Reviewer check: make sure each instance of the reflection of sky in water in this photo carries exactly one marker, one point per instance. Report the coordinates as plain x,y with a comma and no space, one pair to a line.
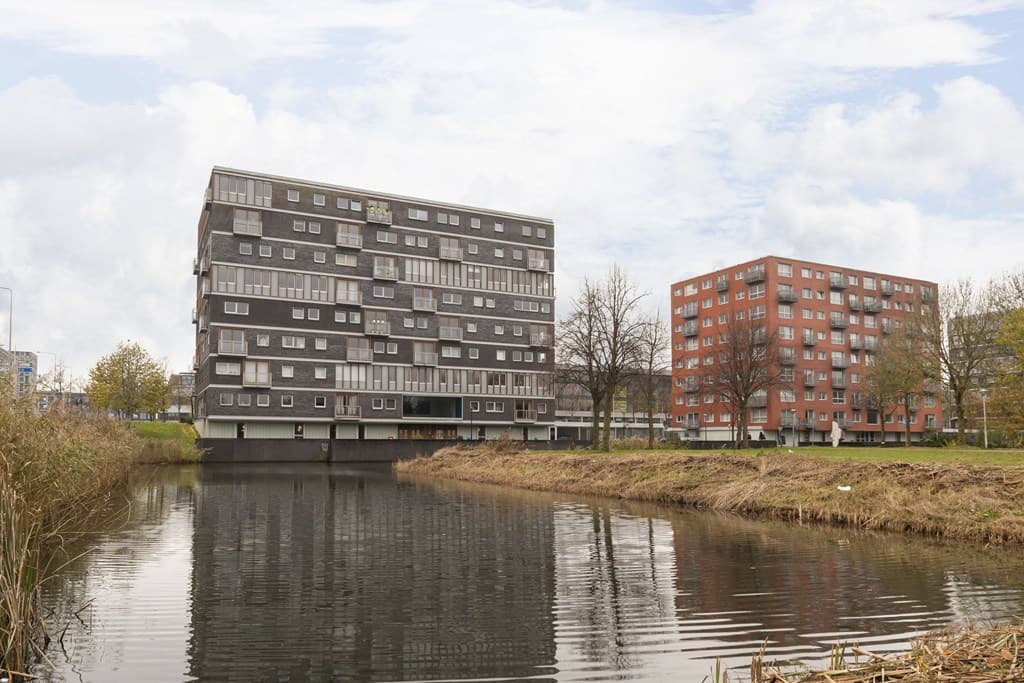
311,573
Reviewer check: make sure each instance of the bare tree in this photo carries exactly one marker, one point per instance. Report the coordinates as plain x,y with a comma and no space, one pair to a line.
896,376
960,334
651,361
620,329
579,351
747,365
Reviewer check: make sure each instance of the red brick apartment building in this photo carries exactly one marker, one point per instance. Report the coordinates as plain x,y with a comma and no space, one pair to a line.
828,319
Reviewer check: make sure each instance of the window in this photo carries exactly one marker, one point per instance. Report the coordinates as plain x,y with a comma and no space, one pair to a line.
342,202
499,354
288,371
499,329
494,406
314,228
266,250
319,257
354,317
348,260
471,248
245,248
355,204
293,195
236,308
451,298
320,373
262,340
451,352
319,401
288,253
474,223
527,231
422,242
417,214
244,400
387,237
542,233
299,226
287,401
517,255
292,342
474,353
499,227
410,240
470,327
227,399
262,400
384,292
229,369
320,343
319,200
298,313
785,270
340,316
474,406
499,252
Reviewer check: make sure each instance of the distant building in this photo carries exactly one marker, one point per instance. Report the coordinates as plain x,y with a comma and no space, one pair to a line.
23,366
182,389
574,409
829,321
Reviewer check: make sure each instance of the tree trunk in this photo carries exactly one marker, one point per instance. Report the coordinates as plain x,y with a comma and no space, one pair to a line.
906,419
595,417
881,428
609,400
741,427
961,422
650,424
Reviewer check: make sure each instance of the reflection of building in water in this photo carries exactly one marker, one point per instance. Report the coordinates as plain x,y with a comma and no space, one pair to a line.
314,574
615,587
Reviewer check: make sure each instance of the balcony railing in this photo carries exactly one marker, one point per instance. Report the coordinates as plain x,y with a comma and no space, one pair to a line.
753,275
347,412
540,339
856,344
204,291
886,290
854,304
351,298
722,284
691,387
787,359
873,307
858,402
358,355
378,214
692,423
840,362
449,333
870,345
841,421
690,330
195,266
886,329
378,328
810,340
451,253
838,383
788,296
244,227
233,348
526,416
424,303
757,402
385,272
256,380
787,420
690,310
932,387
810,381
837,322
538,264
351,240
195,316
424,358
837,282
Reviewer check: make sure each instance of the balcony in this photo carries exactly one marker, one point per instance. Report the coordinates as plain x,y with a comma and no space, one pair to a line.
873,307
690,310
858,403
838,382
722,284
691,387
870,345
204,290
754,276
424,303
886,290
692,423
690,330
540,339
787,295
810,381
378,214
886,328
837,282
526,416
378,328
233,348
195,316
263,382
854,304
350,240
208,195
787,358
385,272
856,344
810,340
450,253
195,266
449,333
757,402
356,354
838,322
787,420
932,387
840,362
347,412
541,264
351,298
424,358
247,227
841,421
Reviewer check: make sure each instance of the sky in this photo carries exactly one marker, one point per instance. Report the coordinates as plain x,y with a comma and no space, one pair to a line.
669,137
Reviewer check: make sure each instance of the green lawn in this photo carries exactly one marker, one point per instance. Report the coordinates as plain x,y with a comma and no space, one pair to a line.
183,433
965,456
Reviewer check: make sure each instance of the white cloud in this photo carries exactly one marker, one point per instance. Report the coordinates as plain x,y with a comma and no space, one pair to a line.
671,143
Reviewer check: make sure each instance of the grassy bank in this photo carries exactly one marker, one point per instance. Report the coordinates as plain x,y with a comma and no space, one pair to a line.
57,473
979,502
166,443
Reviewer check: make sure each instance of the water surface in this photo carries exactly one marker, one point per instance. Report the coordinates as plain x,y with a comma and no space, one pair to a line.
334,573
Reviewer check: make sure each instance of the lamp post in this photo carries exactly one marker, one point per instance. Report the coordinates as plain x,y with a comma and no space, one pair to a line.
10,319
984,413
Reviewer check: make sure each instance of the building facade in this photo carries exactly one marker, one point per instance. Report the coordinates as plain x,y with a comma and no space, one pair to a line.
327,312
182,387
23,369
828,320
574,409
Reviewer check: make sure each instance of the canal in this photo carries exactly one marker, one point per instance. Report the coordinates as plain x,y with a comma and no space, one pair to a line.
332,573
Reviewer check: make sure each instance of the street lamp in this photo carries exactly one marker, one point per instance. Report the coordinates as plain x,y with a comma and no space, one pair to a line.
984,413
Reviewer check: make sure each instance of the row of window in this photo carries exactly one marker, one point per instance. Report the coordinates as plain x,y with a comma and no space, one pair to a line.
760,416
786,270
787,395
689,309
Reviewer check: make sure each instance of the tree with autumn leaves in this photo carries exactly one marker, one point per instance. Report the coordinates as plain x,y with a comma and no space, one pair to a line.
128,381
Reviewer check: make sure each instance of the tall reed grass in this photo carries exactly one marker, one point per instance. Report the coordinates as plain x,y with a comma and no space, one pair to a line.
58,471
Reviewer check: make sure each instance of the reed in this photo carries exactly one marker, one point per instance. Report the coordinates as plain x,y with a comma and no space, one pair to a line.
58,472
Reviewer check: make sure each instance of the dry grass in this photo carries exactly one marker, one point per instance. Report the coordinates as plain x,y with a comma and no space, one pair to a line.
166,443
966,656
57,472
982,503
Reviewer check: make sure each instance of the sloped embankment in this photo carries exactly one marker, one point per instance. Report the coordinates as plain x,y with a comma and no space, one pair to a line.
971,502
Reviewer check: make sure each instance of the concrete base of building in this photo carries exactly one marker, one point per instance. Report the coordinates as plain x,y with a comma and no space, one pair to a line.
339,450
